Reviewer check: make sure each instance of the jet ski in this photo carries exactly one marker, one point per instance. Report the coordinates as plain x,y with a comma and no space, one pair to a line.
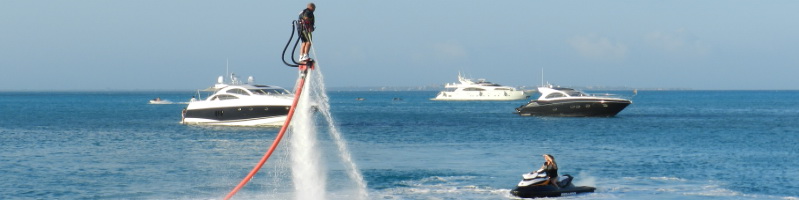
534,184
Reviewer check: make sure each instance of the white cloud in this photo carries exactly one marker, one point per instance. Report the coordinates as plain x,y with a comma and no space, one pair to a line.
598,47
677,42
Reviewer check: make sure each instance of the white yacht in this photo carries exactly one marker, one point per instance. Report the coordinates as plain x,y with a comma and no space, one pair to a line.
482,90
240,104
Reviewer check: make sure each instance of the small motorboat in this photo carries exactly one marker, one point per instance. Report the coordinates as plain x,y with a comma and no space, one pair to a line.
534,185
158,100
568,102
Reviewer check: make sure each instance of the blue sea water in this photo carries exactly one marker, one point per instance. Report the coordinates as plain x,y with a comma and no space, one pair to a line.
666,145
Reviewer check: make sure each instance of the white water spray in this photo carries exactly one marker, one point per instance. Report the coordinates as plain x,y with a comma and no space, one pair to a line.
308,172
306,168
344,153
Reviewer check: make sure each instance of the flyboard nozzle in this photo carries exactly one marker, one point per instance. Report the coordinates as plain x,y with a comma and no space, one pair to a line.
307,65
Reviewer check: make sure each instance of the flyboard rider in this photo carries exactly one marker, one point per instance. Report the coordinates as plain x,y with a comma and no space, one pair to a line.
305,28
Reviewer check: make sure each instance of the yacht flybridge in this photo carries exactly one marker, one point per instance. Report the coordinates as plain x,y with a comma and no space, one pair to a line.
240,104
568,102
468,90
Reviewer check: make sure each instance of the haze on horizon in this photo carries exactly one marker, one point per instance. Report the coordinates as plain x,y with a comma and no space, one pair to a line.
184,44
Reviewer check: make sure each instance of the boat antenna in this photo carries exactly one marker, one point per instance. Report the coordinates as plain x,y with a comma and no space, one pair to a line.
542,76
227,67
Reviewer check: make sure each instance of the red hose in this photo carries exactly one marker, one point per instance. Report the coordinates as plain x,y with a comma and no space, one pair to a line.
277,138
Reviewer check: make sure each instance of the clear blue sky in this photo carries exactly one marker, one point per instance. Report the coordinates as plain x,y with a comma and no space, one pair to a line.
183,45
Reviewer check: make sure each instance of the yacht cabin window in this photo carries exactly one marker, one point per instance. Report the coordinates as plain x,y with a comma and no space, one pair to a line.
279,91
238,91
223,97
269,91
258,92
473,89
555,95
573,93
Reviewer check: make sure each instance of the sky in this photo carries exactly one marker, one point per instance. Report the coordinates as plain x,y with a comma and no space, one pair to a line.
186,44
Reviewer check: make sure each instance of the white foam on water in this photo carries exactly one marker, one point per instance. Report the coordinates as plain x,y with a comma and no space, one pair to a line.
444,187
584,179
463,187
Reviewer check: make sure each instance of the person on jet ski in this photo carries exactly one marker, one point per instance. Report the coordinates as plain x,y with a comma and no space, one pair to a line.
551,168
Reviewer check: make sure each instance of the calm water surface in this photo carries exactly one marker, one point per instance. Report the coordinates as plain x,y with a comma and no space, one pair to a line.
666,145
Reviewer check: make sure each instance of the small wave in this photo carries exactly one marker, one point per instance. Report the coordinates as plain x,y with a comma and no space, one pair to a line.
663,178
714,191
443,187
669,188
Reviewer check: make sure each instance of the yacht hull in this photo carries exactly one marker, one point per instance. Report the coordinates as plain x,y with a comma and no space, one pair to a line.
238,116
572,108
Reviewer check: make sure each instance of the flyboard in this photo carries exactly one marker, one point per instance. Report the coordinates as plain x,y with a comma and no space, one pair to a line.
304,67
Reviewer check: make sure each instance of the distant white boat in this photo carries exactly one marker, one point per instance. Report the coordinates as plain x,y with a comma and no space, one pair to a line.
160,101
482,90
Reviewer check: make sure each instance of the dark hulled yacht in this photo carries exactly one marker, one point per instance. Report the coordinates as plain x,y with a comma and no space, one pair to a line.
240,104
567,102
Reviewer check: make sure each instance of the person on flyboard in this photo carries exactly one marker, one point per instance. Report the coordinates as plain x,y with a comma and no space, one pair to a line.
306,26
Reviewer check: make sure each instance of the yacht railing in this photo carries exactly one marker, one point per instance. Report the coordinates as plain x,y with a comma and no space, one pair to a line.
610,95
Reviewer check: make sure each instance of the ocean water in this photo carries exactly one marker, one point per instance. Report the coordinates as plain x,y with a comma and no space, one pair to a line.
666,145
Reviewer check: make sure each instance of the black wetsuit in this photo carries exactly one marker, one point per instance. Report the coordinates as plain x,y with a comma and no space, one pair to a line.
552,173
306,24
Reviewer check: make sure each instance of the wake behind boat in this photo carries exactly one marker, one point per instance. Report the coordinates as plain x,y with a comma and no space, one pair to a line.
482,90
567,102
240,104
